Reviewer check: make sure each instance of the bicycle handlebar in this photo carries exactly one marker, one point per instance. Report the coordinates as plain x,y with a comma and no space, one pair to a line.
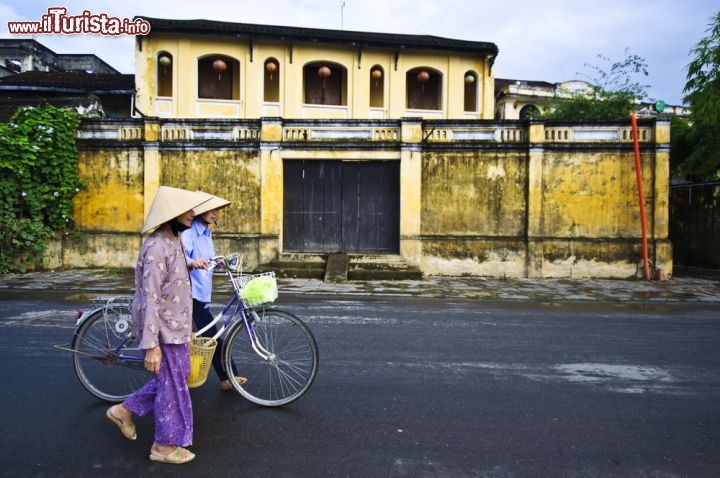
231,262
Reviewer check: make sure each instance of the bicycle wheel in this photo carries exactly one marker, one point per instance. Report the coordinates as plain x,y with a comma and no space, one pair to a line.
107,359
290,363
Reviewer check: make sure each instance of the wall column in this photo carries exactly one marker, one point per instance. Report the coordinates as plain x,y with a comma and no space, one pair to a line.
151,164
271,190
661,198
534,259
410,190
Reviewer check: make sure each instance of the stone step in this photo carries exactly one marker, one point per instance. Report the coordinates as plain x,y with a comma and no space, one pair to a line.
342,267
336,268
382,270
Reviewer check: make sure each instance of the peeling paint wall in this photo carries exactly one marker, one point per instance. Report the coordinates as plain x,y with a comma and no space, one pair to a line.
231,174
481,198
113,191
477,193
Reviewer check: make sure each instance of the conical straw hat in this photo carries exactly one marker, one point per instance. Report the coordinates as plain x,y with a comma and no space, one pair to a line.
215,202
170,203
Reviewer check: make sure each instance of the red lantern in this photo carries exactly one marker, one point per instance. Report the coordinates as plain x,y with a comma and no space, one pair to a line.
219,66
422,77
324,72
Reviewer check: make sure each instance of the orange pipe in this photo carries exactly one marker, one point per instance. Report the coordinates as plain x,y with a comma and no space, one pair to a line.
641,196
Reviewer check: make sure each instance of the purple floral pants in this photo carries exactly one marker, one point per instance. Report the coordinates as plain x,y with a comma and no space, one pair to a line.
168,397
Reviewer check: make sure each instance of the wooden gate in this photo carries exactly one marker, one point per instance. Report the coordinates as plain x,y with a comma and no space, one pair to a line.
341,206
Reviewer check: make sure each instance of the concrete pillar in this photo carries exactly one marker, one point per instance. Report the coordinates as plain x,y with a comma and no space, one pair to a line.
151,163
661,198
271,189
534,260
410,190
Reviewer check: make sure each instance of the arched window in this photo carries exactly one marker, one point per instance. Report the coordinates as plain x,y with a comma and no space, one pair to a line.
424,88
325,84
471,88
271,83
218,78
377,87
529,111
164,74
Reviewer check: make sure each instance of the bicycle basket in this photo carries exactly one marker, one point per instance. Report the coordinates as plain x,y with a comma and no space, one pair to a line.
257,289
202,350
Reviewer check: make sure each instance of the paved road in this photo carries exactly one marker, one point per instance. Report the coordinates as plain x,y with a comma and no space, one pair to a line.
408,387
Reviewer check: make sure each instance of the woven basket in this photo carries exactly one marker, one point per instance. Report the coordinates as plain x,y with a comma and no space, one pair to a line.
202,350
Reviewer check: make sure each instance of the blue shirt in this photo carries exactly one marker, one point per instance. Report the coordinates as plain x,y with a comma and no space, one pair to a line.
198,244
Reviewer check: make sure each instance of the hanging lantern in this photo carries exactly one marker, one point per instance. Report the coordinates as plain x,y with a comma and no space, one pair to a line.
376,74
271,68
324,72
422,77
219,66
469,79
165,61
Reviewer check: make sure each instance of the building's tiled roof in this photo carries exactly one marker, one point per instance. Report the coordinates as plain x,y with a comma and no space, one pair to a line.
353,38
70,82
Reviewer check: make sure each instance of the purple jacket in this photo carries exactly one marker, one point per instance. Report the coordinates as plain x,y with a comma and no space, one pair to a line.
162,307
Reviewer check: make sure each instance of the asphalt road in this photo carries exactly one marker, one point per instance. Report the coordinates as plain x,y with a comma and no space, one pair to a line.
407,387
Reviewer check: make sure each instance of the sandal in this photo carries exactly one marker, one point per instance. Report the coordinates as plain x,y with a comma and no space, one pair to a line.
127,429
225,385
177,456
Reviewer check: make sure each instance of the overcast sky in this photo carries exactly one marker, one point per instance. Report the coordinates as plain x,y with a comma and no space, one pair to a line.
540,40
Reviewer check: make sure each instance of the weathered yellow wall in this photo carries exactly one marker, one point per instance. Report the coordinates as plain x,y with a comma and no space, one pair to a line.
113,192
479,193
582,192
479,198
231,174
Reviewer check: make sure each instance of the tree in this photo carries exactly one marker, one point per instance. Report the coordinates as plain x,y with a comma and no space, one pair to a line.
613,94
702,94
681,144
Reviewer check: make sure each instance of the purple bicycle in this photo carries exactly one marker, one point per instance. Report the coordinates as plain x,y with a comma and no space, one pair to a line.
272,348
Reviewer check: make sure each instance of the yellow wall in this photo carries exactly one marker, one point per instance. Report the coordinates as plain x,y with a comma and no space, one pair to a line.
113,192
481,198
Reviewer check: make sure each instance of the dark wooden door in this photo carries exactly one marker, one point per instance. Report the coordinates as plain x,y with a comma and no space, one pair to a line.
335,206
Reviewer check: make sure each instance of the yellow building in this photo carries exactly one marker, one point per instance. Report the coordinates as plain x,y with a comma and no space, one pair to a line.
380,146
208,69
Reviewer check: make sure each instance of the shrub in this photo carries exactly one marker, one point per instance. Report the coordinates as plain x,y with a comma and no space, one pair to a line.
38,181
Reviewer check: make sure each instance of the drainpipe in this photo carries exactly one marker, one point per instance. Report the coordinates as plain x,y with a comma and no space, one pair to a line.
641,197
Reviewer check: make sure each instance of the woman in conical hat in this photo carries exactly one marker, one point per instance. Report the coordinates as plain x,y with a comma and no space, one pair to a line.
199,248
162,324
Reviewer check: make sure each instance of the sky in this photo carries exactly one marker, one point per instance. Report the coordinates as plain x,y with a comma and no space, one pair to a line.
547,40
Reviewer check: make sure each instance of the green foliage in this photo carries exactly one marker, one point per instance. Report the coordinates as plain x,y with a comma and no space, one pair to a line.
612,96
38,180
702,91
604,106
682,142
